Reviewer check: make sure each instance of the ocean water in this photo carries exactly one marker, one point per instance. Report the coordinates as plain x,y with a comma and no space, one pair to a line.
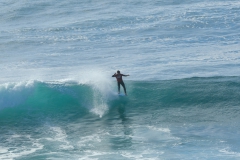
59,101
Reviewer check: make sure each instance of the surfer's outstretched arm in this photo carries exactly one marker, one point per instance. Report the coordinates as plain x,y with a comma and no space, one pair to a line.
125,75
114,75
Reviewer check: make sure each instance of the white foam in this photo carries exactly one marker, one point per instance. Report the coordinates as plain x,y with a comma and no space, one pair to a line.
3,150
228,152
59,135
22,150
16,85
167,130
89,140
153,134
102,86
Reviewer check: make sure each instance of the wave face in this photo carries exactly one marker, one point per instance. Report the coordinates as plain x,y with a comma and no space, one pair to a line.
41,120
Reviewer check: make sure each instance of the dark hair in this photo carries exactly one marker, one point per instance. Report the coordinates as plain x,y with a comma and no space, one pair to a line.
118,71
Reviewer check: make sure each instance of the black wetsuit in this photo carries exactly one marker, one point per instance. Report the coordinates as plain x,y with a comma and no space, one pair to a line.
120,82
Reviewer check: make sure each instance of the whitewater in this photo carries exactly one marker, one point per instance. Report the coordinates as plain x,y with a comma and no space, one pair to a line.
58,99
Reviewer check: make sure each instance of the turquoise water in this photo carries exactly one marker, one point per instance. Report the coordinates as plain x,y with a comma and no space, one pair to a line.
59,101
171,119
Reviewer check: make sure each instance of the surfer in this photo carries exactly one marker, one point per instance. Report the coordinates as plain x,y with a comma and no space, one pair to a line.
118,76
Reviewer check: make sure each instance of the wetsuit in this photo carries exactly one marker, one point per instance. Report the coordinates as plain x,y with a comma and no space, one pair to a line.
120,81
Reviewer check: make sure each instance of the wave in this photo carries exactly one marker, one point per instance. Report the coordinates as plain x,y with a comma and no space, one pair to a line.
55,96
69,98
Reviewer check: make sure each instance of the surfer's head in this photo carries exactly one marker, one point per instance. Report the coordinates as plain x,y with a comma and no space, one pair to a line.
118,71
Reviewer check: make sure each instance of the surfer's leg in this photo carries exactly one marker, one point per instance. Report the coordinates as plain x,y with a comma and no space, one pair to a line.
118,87
122,83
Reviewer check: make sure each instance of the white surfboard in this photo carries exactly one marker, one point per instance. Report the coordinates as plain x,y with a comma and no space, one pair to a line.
122,94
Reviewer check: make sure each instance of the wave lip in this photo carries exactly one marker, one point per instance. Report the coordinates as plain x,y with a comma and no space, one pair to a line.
14,94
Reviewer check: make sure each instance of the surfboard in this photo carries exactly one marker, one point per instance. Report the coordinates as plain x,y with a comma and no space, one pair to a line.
121,94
